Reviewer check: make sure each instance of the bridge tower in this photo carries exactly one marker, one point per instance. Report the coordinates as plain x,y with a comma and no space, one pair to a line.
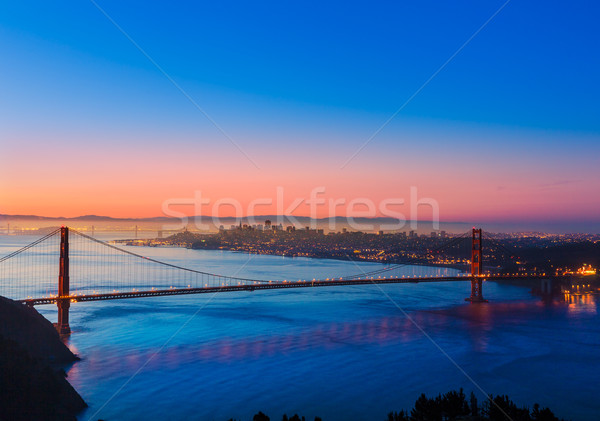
476,268
63,284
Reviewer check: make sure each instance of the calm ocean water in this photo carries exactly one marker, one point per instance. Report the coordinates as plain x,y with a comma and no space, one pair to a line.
339,353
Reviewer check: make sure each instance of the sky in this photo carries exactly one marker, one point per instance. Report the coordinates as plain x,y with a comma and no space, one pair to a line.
488,108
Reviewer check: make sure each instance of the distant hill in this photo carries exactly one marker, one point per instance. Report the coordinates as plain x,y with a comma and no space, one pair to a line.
61,218
285,219
339,222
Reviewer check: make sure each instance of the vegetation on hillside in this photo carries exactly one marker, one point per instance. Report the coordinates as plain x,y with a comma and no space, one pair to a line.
454,406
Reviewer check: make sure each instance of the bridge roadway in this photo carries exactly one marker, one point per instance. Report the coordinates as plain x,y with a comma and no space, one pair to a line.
275,285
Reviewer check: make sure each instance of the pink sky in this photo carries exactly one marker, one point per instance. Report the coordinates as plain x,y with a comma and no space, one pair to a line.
67,178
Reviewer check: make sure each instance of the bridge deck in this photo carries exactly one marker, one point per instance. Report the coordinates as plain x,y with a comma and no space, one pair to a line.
272,285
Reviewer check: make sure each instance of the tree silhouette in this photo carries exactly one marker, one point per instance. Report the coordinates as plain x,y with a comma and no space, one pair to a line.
398,416
500,406
260,417
544,414
426,409
454,404
474,407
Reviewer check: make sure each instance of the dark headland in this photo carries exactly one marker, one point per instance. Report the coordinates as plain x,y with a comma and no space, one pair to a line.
33,385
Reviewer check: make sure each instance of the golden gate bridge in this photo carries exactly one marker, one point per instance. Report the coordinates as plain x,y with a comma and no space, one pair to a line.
93,270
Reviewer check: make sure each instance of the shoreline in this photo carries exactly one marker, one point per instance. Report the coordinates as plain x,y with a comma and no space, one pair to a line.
130,242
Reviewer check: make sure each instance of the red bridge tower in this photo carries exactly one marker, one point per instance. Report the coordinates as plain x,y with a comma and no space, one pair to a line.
63,284
476,268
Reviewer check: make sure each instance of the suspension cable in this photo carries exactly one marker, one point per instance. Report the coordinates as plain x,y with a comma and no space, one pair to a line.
35,243
450,243
162,263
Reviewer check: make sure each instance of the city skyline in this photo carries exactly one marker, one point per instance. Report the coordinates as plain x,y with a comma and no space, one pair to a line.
506,131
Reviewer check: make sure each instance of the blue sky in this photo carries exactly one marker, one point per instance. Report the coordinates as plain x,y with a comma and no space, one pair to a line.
535,65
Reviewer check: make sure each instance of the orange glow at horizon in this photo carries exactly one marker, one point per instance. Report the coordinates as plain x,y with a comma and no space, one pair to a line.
72,180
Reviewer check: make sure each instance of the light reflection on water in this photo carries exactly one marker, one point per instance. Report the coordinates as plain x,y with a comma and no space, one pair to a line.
340,353
582,303
283,352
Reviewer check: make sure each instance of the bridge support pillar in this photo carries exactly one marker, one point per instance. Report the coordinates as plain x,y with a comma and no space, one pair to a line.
63,302
476,291
476,268
63,317
546,286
